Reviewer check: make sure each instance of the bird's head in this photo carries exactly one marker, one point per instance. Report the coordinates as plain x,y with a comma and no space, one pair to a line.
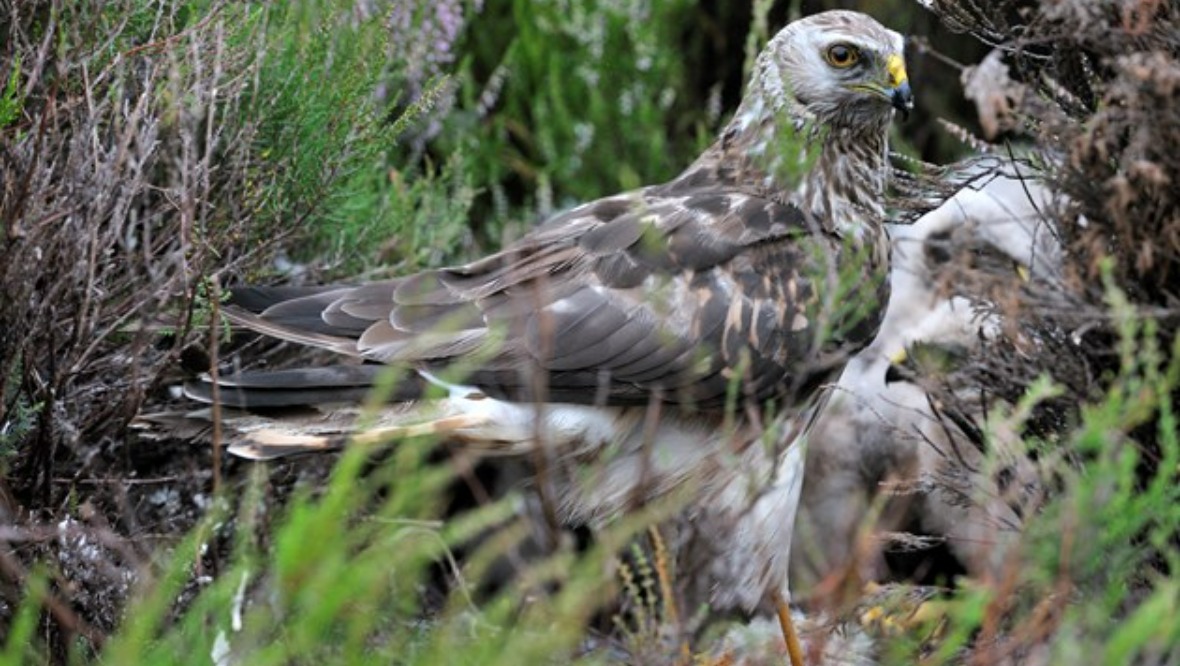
840,68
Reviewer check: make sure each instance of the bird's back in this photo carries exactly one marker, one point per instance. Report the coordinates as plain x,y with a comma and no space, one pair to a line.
682,293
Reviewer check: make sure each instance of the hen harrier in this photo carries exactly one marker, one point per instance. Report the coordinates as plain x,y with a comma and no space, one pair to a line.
681,326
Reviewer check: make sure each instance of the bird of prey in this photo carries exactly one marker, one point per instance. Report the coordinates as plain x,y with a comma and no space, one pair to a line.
949,270
663,339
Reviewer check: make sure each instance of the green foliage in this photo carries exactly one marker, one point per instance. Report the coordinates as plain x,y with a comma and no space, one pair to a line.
21,646
793,151
1094,571
341,581
10,96
428,214
580,101
327,144
758,35
19,422
652,615
20,417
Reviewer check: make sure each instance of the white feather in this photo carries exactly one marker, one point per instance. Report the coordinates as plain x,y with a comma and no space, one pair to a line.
871,432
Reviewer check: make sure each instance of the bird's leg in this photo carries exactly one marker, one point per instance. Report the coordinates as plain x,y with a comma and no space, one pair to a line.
794,649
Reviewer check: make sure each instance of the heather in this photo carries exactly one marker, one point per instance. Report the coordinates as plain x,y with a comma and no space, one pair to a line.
153,153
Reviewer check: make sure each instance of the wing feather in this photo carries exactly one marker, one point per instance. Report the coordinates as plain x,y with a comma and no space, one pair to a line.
670,292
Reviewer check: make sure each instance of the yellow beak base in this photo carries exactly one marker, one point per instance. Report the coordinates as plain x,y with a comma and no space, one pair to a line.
895,65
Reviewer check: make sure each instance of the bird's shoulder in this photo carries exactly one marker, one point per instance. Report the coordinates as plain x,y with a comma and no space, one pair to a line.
669,287
621,240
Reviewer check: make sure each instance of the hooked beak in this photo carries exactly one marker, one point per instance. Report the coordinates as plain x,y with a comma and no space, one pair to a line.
902,99
900,95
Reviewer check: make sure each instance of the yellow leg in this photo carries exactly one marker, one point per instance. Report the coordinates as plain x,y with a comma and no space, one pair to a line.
794,649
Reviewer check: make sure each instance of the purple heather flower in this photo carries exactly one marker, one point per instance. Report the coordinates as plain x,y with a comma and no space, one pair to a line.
423,35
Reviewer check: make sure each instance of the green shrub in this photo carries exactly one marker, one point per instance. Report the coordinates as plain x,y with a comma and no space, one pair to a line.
563,102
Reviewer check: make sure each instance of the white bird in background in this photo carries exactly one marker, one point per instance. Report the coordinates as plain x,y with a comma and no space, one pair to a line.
875,434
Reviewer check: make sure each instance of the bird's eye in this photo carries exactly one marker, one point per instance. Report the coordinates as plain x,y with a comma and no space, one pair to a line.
842,55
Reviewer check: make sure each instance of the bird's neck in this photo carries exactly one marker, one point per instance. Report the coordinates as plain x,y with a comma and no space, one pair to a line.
846,183
837,175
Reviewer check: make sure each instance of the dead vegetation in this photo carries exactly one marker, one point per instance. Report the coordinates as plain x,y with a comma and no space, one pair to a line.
121,186
1087,373
1093,85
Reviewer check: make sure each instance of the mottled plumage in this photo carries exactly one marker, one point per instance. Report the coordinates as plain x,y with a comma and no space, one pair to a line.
733,278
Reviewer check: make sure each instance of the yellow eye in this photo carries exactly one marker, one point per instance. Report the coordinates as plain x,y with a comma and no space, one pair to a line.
842,55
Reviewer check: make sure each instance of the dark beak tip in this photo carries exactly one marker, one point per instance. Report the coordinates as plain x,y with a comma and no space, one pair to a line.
903,100
895,374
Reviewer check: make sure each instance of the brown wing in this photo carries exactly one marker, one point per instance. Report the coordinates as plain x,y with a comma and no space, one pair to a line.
679,295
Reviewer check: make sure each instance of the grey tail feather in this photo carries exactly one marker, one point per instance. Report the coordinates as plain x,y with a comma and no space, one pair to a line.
246,319
257,299
299,387
171,424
